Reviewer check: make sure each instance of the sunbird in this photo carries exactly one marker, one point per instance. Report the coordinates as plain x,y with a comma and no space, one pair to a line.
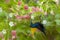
35,26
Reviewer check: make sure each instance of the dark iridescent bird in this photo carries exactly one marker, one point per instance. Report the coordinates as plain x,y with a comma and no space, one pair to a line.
37,25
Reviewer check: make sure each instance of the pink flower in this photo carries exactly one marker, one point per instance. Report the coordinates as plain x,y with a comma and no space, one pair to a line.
26,17
1,35
31,13
26,7
18,17
7,1
35,9
19,3
13,34
22,17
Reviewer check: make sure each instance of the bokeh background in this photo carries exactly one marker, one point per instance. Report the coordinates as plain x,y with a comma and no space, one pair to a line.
15,16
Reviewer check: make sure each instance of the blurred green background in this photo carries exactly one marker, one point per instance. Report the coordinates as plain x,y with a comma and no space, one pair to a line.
22,28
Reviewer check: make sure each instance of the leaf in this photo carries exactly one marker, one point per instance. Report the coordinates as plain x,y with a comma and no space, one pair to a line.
57,16
57,21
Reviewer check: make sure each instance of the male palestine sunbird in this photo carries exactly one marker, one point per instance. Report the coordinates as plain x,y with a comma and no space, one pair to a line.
35,26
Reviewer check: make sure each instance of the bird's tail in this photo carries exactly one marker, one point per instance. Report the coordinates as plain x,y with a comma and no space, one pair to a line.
44,33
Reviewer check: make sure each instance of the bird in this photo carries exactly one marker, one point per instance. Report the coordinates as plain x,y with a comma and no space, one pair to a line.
35,26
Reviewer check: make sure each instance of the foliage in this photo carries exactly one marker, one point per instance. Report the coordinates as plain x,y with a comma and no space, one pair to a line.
22,26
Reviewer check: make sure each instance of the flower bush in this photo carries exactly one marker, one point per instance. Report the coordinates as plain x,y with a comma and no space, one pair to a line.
15,16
